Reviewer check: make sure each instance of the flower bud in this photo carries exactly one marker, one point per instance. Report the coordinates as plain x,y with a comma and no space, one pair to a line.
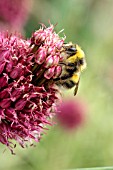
3,80
49,73
20,104
49,61
5,103
40,56
57,71
2,67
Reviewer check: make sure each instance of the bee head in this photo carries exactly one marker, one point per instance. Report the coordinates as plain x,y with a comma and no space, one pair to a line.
70,49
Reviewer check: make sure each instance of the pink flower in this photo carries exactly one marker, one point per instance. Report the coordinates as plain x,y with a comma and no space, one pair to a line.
28,96
71,114
14,13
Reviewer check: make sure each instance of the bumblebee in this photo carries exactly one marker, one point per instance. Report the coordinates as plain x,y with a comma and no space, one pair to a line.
72,65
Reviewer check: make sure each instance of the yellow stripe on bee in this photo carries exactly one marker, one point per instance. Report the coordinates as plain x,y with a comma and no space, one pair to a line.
72,59
75,78
80,52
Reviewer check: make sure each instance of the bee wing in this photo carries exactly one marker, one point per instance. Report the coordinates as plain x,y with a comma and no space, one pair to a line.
76,88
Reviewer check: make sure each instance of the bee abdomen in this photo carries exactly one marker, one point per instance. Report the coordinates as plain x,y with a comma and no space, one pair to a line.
71,70
64,77
69,84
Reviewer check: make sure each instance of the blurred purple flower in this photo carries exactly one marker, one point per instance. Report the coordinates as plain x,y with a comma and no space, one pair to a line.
71,114
28,96
14,13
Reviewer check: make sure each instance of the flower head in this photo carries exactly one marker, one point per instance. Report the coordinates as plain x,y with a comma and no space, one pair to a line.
14,13
28,96
71,114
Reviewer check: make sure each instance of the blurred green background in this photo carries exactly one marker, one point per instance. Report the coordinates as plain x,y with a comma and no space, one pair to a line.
90,24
